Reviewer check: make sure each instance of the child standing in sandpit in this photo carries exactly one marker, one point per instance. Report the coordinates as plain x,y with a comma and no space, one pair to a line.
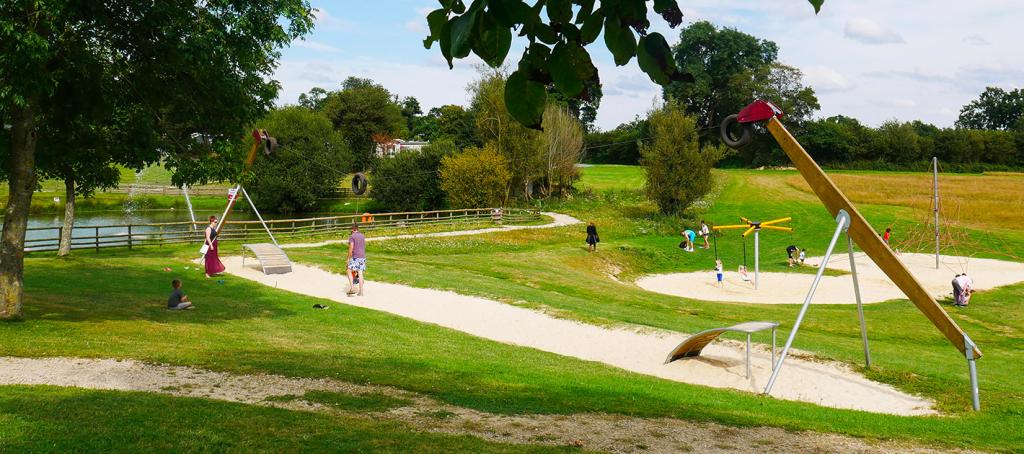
356,260
719,272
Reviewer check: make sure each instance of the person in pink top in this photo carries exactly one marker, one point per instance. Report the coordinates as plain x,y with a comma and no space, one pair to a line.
356,261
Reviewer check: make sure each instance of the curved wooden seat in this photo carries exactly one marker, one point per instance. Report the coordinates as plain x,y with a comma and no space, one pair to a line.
694,344
272,259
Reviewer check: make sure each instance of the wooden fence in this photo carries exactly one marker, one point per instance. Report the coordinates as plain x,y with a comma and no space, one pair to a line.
201,191
41,239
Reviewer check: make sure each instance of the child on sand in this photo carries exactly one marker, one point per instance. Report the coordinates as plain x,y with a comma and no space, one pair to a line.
178,299
719,272
803,256
742,270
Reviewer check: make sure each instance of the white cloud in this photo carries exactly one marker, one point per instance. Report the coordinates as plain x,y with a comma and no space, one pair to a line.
899,103
870,32
826,80
315,45
325,21
976,39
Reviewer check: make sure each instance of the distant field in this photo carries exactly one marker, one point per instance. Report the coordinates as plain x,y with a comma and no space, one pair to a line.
993,201
604,177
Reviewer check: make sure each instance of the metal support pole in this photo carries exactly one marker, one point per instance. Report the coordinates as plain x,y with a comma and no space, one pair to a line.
860,306
972,368
773,348
935,205
188,201
748,355
757,258
254,210
842,221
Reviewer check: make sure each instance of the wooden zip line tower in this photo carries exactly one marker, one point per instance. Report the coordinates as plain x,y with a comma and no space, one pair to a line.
756,227
857,229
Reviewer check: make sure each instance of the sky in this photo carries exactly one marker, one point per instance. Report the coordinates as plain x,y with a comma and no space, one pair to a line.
874,60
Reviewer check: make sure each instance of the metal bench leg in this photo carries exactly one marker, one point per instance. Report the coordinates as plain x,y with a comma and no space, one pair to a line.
748,355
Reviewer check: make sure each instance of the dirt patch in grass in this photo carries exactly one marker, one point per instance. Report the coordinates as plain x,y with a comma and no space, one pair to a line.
592,431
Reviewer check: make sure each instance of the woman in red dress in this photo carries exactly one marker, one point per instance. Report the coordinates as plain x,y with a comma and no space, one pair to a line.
213,264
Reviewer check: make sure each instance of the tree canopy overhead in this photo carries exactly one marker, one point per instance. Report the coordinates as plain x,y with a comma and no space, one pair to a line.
168,72
557,34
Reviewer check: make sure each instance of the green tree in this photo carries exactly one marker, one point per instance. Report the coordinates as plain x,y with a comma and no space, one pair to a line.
494,125
561,145
309,163
314,99
409,180
833,139
475,178
361,109
895,142
678,171
718,59
448,122
994,109
556,52
412,111
180,69
617,146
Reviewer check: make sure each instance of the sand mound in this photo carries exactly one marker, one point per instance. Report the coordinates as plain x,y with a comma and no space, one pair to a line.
875,286
722,364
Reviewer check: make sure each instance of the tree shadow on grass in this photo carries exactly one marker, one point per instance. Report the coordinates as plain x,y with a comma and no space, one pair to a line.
94,290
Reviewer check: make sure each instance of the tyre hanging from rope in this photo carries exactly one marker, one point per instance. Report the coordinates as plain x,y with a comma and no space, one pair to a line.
731,123
359,184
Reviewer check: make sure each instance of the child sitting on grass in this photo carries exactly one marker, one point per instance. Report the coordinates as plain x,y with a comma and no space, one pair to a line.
178,300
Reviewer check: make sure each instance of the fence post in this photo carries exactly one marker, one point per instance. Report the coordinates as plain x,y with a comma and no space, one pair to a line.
129,237
97,238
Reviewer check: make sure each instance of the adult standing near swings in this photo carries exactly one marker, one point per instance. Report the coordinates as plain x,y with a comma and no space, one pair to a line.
213,264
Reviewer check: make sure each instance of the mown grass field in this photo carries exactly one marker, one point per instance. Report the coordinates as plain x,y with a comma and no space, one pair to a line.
109,305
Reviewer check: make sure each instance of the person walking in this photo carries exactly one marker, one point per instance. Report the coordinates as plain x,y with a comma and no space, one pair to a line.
705,232
213,264
887,235
356,260
592,238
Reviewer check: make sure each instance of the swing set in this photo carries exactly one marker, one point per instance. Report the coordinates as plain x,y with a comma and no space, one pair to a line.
755,228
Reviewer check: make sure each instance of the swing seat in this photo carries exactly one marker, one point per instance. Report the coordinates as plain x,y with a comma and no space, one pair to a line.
272,259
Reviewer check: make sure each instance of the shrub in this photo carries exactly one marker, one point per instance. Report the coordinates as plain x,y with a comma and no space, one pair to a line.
475,178
409,180
678,171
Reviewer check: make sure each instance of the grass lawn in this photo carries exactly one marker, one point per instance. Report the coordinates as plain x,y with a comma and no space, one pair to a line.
109,305
106,421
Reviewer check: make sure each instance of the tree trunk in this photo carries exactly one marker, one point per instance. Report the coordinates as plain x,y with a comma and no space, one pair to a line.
21,182
69,218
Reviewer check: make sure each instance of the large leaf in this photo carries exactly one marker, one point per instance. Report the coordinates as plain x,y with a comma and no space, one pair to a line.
620,41
436,20
462,32
586,9
817,5
509,12
592,27
493,41
655,58
669,10
525,99
563,73
559,11
445,43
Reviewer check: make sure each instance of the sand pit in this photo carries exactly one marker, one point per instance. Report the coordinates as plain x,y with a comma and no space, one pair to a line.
722,365
875,286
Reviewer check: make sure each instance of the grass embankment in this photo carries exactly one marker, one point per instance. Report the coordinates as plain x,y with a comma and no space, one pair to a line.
110,305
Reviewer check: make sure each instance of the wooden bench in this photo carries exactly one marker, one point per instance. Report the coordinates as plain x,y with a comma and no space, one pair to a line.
272,259
694,344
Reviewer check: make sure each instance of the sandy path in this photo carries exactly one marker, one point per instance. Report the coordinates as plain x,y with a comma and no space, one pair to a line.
603,432
722,364
875,286
559,220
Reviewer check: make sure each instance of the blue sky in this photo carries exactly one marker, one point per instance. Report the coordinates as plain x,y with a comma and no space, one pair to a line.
871,59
